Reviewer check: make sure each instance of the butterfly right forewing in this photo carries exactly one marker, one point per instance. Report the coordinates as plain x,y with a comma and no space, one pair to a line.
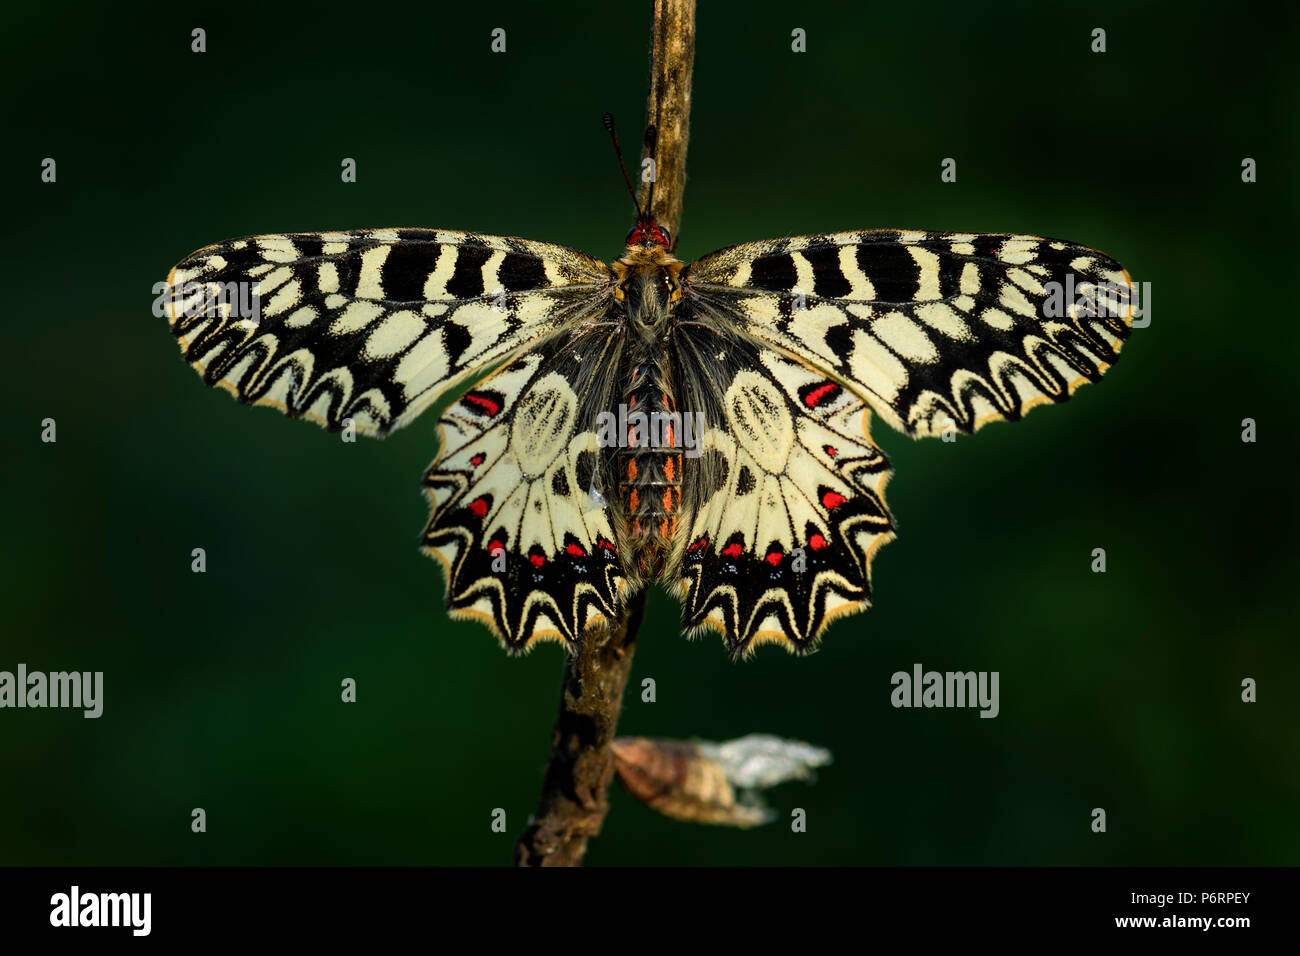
935,330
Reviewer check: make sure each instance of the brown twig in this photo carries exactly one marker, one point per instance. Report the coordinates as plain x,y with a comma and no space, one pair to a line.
581,766
573,803
672,57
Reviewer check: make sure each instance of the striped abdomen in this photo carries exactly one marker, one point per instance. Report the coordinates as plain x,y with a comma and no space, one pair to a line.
650,470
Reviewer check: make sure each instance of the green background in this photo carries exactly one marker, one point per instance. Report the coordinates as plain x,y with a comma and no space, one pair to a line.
1119,690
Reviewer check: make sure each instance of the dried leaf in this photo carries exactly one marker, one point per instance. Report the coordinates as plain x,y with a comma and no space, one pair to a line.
703,782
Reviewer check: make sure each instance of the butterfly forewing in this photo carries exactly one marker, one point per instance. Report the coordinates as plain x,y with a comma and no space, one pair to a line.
935,330
369,326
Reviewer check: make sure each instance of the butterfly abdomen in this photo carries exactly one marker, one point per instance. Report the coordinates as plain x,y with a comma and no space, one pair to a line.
650,470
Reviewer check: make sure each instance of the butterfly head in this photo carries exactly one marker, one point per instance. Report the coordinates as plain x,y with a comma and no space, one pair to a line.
647,232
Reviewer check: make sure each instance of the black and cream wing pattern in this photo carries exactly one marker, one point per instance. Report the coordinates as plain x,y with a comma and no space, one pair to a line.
931,331
766,521
370,326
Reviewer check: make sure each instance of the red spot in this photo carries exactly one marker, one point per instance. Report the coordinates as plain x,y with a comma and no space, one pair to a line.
483,402
698,545
817,542
605,544
733,550
575,550
774,558
830,450
477,460
815,397
495,547
832,500
478,506
537,559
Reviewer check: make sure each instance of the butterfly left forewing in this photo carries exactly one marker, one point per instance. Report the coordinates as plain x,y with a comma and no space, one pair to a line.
935,330
370,326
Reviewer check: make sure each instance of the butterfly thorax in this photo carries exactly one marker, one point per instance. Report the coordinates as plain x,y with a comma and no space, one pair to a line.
649,458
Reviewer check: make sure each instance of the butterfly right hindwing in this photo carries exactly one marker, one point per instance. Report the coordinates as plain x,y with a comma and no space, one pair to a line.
787,509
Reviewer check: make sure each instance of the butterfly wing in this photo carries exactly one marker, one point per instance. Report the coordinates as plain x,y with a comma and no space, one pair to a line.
932,330
519,519
935,330
370,326
786,509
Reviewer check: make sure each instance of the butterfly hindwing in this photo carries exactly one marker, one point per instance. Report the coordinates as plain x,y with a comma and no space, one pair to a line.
935,330
518,520
368,326
791,511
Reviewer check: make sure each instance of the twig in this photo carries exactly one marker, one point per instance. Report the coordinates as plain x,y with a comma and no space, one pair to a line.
581,767
672,57
573,803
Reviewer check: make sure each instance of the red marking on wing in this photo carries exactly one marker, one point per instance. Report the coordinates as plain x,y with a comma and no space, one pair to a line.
774,558
817,542
482,401
537,559
575,550
733,550
832,500
814,398
477,460
478,506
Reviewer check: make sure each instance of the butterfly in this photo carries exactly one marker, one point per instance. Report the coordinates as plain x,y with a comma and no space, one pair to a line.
704,425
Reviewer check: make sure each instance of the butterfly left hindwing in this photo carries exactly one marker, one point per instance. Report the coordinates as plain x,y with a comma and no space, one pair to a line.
518,521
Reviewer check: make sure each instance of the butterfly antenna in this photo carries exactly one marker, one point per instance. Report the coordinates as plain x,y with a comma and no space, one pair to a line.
607,120
651,141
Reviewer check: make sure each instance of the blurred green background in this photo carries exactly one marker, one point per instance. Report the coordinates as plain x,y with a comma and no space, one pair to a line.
1119,690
